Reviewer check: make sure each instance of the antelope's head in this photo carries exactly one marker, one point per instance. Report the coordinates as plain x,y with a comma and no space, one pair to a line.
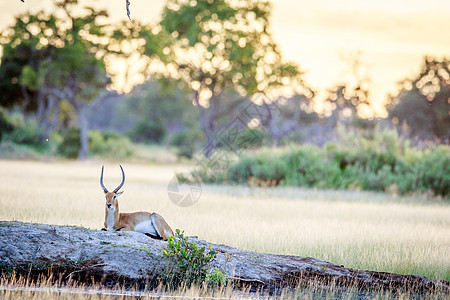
112,197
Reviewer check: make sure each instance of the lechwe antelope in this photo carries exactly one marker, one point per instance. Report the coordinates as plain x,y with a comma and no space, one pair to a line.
151,224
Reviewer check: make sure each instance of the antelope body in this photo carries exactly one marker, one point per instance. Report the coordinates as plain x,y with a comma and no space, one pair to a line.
150,224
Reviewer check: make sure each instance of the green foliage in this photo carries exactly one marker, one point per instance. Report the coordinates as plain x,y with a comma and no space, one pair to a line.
9,150
307,167
186,142
150,102
62,47
382,163
263,168
241,171
25,132
254,138
61,54
189,263
216,277
236,32
109,144
18,52
432,171
96,141
24,138
148,131
212,47
5,125
117,148
29,78
70,145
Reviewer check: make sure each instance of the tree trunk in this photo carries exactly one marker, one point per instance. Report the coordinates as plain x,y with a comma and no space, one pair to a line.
208,145
41,104
84,133
83,110
208,118
210,132
55,118
50,117
134,258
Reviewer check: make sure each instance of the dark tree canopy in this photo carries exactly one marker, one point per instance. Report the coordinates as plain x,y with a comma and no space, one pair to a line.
215,46
228,44
23,52
43,52
424,102
54,58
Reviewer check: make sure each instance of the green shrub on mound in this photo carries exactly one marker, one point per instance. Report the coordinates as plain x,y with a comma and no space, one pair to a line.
383,163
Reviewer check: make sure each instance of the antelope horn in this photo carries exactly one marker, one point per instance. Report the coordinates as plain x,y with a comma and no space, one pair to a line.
101,182
123,180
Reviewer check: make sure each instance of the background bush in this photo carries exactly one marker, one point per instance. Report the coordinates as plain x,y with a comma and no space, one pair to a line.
70,145
186,142
432,171
5,125
382,163
24,138
23,132
108,144
9,149
147,131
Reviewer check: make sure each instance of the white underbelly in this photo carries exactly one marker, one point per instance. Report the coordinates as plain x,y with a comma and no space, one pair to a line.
110,222
146,227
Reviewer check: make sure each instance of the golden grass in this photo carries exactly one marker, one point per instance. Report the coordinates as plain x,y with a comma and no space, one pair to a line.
360,230
19,287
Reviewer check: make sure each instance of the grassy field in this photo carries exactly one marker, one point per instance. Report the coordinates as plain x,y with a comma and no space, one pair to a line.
408,235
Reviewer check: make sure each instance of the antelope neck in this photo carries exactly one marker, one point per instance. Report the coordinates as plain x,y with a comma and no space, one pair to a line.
111,219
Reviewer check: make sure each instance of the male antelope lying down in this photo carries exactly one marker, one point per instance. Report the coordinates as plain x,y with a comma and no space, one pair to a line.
151,224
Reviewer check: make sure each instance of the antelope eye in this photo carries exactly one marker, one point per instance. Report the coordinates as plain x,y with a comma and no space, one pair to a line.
114,197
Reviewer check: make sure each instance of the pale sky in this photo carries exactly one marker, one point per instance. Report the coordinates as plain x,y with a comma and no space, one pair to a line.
392,35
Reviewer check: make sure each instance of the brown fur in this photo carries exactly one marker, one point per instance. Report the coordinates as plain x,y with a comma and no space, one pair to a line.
128,221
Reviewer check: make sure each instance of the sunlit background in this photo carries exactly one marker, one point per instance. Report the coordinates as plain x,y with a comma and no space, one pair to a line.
389,38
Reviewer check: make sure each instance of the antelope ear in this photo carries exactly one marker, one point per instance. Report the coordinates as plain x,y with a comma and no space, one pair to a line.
118,194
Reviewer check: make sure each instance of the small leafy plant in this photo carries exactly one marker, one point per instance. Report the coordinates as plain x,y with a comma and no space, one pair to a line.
189,262
216,277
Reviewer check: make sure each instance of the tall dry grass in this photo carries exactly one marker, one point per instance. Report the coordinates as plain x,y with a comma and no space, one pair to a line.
408,235
20,287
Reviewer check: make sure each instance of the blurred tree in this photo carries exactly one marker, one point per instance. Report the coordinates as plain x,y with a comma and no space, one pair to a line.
424,102
345,103
287,116
351,99
57,57
214,46
145,131
149,103
22,51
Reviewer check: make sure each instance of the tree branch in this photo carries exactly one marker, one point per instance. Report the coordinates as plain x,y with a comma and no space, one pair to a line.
128,8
